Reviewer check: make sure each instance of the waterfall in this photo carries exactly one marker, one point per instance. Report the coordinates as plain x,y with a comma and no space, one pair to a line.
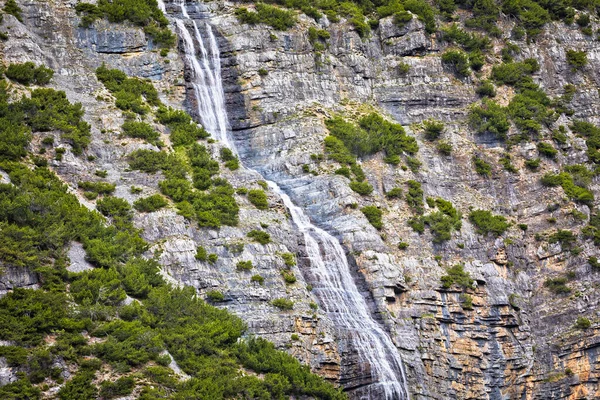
329,271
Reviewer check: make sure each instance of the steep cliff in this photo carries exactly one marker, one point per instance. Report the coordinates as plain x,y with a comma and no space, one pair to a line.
526,328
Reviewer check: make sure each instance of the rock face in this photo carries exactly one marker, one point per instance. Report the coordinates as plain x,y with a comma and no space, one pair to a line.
516,341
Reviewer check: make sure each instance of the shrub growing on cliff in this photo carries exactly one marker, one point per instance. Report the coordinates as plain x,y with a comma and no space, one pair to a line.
457,275
140,130
582,323
457,61
485,222
273,16
362,188
283,304
489,118
261,237
557,285
373,215
258,198
576,59
11,7
482,167
433,129
143,13
27,73
150,203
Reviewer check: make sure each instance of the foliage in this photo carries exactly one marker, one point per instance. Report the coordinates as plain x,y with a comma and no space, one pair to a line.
457,61
557,285
414,197
39,219
258,198
373,215
150,203
489,117
244,266
230,159
373,134
261,237
11,7
482,167
433,129
283,304
130,93
457,275
582,323
441,223
143,13
140,130
574,189
546,149
121,387
275,17
576,59
362,188
486,89
27,73
485,222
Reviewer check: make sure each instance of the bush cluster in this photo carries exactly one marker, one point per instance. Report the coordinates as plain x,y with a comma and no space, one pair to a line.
485,222
27,73
142,13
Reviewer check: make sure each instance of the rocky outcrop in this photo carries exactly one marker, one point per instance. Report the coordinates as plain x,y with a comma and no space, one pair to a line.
516,341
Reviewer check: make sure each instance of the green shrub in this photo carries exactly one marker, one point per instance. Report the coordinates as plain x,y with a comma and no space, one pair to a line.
485,222
140,130
288,277
148,160
116,208
215,296
121,387
444,148
394,193
258,198
594,263
566,238
283,304
261,237
466,301
546,149
457,275
11,7
150,203
433,129
288,259
486,89
244,266
457,61
142,13
258,279
201,254
482,167
533,164
273,16
97,187
27,73
362,188
373,215
582,323
557,285
489,118
414,197
230,160
576,59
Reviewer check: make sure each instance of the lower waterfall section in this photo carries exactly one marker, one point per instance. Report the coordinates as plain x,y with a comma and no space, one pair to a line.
329,271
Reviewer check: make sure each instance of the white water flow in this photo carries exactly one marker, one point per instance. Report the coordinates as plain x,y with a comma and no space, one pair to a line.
329,272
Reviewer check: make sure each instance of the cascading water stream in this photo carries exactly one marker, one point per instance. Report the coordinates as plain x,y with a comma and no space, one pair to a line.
329,272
